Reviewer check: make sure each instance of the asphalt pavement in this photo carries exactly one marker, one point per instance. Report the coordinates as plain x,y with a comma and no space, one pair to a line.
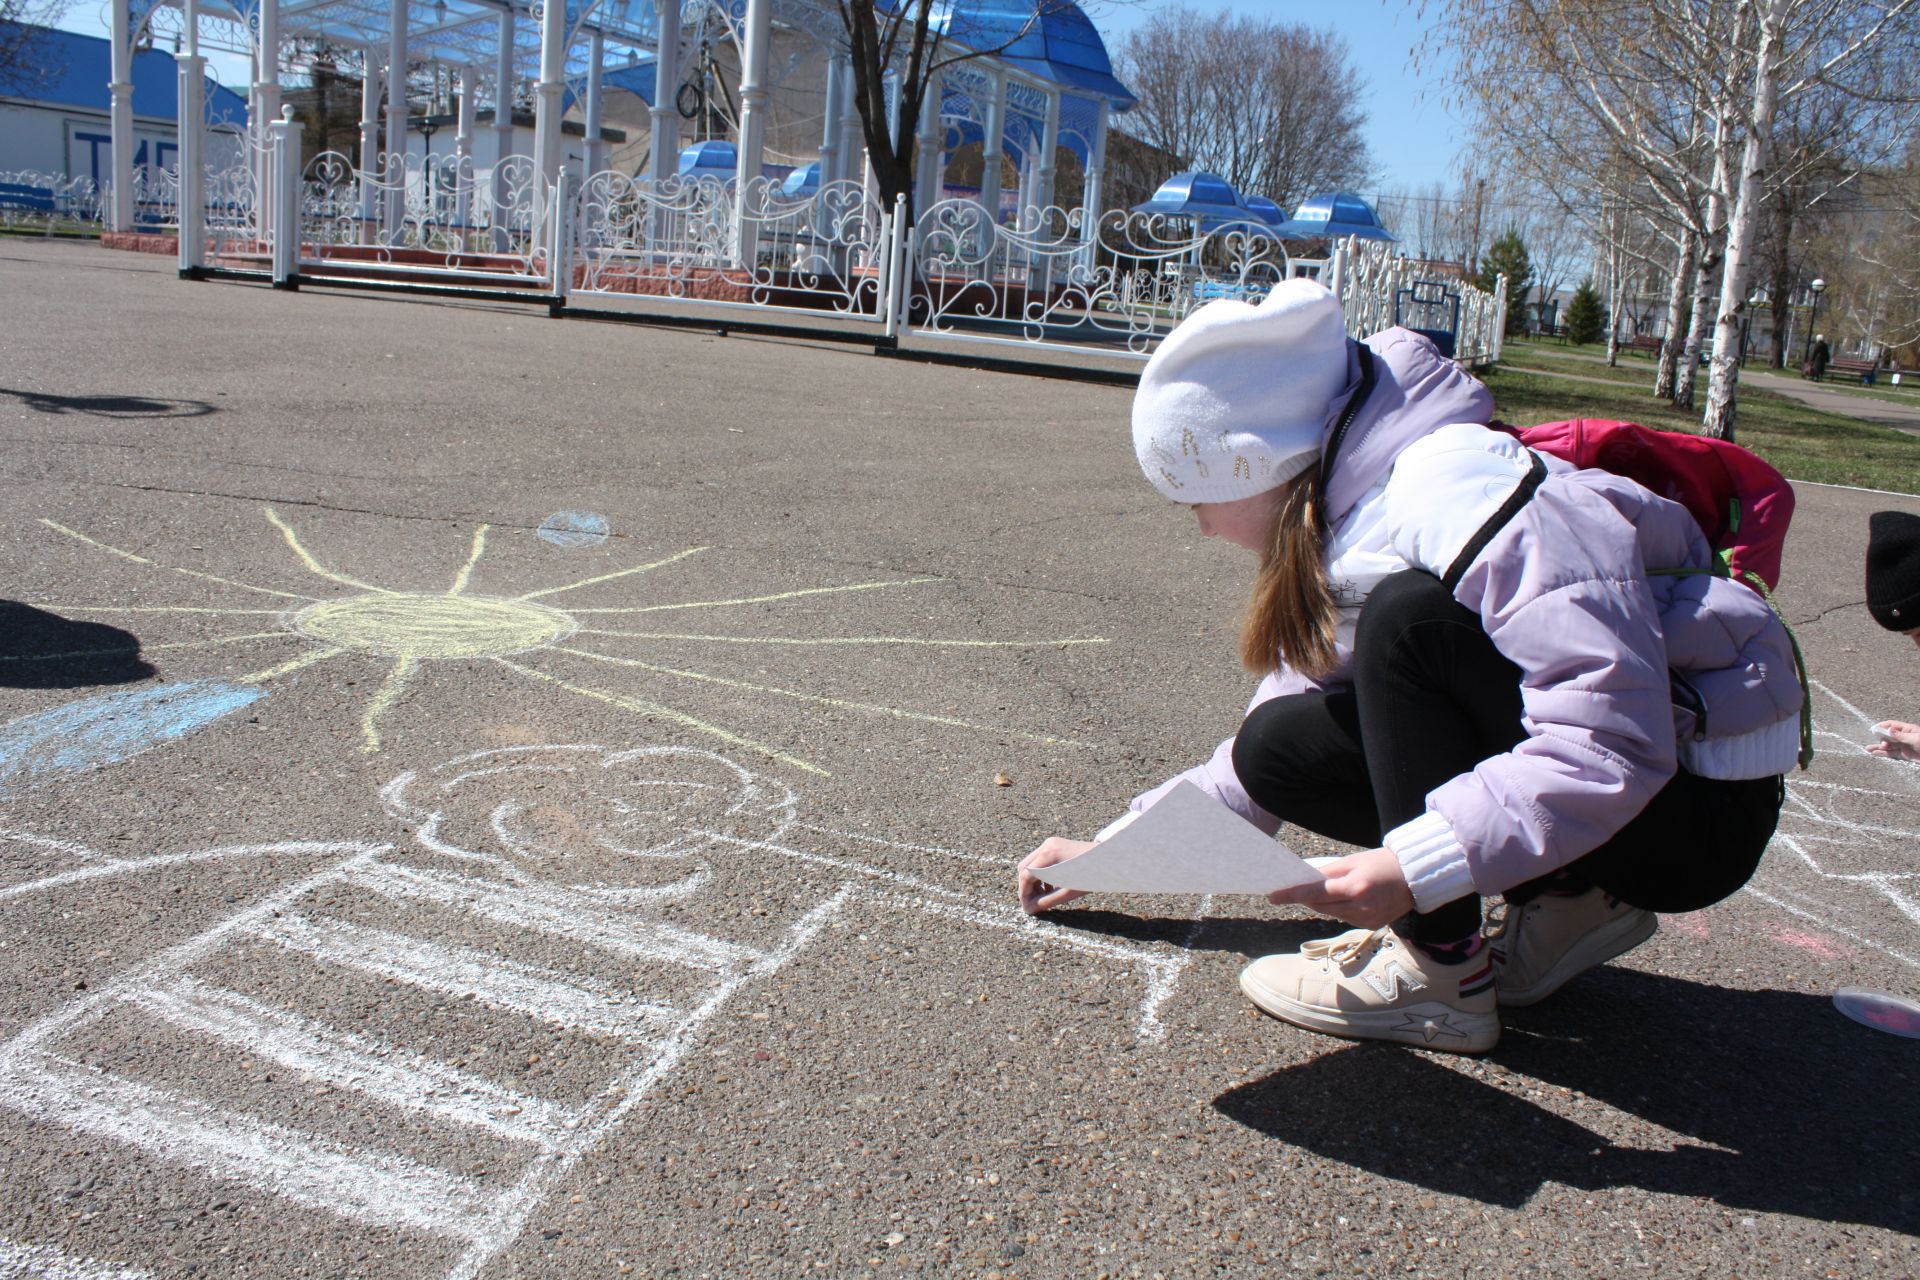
487,795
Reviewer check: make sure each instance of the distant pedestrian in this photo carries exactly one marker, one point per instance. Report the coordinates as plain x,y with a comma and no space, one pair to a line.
1893,598
1817,362
1489,670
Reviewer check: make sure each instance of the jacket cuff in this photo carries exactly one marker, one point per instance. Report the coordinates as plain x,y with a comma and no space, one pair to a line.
1118,825
1433,862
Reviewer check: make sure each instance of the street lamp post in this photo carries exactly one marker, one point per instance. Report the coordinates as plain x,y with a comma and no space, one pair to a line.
1746,324
1817,288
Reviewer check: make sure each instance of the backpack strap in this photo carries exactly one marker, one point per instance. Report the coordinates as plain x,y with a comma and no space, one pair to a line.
1496,522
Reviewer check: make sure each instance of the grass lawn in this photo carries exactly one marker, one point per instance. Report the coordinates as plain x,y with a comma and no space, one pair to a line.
1803,442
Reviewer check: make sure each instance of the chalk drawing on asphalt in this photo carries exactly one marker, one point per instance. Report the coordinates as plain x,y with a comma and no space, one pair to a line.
550,890
1848,829
111,727
406,631
574,529
41,1262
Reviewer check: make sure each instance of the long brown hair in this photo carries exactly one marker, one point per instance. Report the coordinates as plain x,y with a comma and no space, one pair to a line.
1293,614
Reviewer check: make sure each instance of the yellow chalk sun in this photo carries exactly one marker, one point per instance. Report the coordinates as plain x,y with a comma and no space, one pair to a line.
409,627
432,626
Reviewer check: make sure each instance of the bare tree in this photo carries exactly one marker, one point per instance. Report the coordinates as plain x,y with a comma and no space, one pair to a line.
916,40
1690,92
1272,107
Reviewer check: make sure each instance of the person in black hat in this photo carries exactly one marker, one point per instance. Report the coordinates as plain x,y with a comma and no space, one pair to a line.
1893,598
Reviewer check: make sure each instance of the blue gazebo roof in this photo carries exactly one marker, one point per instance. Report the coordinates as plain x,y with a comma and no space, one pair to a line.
636,78
712,158
804,181
1206,197
1334,215
1058,43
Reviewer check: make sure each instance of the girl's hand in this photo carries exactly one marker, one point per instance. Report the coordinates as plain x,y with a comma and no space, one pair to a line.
1903,741
1036,895
1367,890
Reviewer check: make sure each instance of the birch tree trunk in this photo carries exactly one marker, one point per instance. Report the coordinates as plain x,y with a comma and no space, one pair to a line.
1742,225
1703,279
1676,306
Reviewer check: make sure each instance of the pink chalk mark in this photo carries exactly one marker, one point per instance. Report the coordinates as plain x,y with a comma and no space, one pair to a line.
1692,925
1824,947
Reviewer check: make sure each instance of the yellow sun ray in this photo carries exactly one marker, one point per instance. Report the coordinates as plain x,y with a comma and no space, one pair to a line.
153,608
609,577
781,595
646,708
155,564
399,676
843,703
473,558
288,668
789,640
314,566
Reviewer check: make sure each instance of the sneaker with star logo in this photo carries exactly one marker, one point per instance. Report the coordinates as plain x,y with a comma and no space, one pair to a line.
1371,984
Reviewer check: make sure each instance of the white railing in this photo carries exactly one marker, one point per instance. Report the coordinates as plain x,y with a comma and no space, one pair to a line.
236,236
1046,280
438,214
49,201
685,241
1378,288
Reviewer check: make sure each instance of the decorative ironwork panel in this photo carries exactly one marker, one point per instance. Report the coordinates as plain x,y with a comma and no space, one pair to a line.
685,239
434,212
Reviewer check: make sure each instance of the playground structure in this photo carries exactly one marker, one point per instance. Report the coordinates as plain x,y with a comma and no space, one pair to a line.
1025,274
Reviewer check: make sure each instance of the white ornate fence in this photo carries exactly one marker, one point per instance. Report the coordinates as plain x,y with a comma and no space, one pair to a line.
49,202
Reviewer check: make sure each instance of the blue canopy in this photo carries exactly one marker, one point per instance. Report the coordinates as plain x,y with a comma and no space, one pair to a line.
713,158
804,181
1333,215
1052,39
636,79
1266,210
1207,198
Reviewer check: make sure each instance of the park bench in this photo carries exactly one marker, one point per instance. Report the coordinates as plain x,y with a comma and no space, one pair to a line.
18,198
1645,342
1865,370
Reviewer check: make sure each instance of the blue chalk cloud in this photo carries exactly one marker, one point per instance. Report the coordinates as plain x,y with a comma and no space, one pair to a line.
111,727
574,529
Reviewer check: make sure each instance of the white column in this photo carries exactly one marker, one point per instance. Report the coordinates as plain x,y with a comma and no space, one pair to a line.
265,100
853,137
463,126
547,152
120,117
393,163
931,160
992,142
830,123
369,140
193,183
596,150
1090,210
502,127
1049,148
753,127
665,159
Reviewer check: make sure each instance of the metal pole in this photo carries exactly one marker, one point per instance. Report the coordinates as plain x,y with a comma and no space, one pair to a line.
753,127
120,87
666,82
546,104
502,131
394,165
993,132
596,150
369,140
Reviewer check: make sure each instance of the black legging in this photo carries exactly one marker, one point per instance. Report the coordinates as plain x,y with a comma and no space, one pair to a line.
1431,698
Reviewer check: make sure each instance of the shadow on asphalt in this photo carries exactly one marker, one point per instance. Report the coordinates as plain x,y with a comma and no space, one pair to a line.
110,406
41,650
1777,1104
1249,935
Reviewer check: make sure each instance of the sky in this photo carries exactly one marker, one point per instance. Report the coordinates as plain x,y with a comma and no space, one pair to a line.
1413,138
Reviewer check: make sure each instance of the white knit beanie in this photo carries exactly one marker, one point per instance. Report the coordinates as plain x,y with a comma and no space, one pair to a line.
1235,400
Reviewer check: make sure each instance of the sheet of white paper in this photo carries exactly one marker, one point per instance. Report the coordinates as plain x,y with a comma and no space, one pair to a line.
1187,843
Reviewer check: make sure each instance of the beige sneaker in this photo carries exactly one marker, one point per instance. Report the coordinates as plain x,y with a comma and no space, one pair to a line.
1371,984
1554,937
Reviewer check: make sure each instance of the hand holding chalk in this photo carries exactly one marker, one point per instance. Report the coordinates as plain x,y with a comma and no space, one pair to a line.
1898,741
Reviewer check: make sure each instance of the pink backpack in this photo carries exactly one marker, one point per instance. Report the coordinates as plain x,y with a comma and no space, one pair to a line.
1742,504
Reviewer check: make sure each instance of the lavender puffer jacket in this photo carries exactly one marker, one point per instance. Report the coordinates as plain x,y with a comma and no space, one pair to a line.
1564,591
